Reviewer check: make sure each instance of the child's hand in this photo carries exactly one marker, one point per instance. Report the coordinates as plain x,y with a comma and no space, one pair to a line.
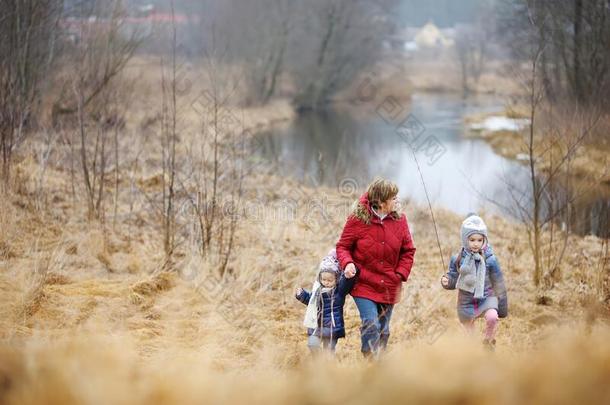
298,291
445,281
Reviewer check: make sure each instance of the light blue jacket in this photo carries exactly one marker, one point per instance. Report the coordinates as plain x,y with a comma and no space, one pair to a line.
494,279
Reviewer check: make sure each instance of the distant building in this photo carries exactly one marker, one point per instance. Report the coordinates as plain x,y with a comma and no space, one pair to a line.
413,39
149,18
142,20
429,36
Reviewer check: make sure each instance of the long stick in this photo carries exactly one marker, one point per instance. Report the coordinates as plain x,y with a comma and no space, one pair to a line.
421,176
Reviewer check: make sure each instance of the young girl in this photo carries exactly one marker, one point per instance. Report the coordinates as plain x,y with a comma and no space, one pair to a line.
324,315
476,273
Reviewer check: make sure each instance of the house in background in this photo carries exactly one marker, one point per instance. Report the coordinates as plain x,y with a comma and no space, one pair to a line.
141,20
413,39
430,36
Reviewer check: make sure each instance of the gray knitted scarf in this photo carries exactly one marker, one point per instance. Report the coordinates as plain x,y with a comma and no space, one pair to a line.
472,277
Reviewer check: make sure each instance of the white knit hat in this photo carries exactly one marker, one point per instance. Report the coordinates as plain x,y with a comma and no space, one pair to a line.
471,225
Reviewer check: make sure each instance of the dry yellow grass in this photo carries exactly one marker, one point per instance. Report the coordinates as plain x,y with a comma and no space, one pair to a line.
589,162
155,337
571,369
90,313
439,71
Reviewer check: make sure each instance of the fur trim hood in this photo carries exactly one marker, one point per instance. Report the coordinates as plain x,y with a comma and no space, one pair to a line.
362,210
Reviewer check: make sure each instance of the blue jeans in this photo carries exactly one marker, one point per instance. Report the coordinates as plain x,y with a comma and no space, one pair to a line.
315,343
375,329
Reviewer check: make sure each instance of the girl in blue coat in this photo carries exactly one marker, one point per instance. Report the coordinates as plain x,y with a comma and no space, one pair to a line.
324,315
475,272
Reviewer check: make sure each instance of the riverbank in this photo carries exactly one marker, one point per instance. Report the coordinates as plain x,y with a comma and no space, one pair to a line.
507,133
195,95
438,71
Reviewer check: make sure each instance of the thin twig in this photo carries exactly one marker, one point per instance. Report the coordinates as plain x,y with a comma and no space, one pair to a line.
421,176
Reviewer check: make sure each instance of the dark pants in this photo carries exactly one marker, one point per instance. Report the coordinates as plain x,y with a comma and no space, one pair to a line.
375,329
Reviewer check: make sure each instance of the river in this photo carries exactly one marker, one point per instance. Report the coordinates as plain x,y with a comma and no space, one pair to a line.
460,173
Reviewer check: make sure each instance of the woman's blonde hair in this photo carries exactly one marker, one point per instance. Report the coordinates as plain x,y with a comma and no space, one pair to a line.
381,190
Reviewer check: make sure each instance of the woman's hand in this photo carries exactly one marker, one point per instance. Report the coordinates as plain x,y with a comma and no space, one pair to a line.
350,270
298,291
445,281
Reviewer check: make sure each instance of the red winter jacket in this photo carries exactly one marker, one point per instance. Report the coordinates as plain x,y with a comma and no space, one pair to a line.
383,251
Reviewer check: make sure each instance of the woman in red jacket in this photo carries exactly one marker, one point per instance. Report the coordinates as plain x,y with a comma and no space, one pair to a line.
377,241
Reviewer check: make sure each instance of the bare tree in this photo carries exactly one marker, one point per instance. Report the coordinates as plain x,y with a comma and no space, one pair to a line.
217,164
576,62
169,140
535,97
100,53
200,171
29,31
269,55
97,60
271,23
254,35
321,45
217,171
471,48
551,144
474,43
335,42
